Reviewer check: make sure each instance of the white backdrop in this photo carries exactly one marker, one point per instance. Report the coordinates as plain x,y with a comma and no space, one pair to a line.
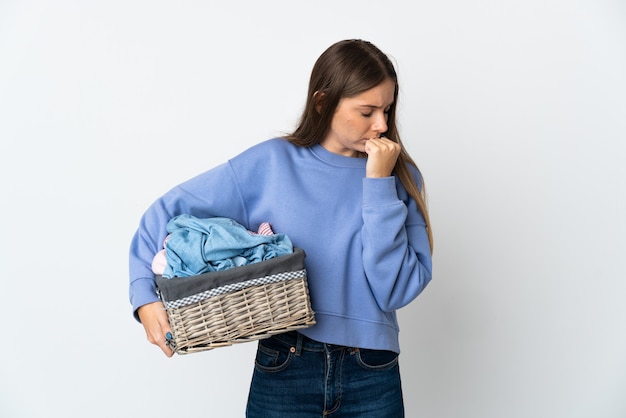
515,112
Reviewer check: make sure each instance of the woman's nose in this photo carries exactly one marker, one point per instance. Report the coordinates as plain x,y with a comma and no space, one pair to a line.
380,124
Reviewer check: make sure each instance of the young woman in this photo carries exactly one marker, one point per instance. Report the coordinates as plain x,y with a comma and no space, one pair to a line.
343,188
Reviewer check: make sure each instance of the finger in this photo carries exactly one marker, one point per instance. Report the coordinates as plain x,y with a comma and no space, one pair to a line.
163,341
383,148
382,143
166,345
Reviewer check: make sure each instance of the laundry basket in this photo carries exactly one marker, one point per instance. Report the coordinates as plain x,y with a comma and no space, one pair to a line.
237,305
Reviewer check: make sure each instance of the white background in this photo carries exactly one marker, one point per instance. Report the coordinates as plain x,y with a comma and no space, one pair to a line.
514,110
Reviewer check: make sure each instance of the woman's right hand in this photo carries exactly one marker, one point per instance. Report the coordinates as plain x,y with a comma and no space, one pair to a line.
154,320
382,154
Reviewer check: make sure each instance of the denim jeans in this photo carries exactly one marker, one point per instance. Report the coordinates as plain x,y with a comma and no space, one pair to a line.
296,377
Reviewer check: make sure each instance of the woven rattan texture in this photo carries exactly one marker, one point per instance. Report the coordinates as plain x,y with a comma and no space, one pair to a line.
245,315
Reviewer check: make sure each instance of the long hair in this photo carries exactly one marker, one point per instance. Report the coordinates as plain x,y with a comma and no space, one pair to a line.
347,69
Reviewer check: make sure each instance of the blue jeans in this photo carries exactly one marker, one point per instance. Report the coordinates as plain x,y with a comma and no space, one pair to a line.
296,377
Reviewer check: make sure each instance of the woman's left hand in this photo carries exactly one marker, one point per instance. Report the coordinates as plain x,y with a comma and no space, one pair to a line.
382,154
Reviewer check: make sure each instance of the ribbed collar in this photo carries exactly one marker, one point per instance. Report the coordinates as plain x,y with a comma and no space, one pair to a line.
337,159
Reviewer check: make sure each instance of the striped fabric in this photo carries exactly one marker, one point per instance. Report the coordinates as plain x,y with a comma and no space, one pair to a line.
265,229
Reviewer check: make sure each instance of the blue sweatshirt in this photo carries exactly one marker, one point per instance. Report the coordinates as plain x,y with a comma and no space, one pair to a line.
366,244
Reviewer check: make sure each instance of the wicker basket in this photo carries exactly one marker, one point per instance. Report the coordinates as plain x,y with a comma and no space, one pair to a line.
237,305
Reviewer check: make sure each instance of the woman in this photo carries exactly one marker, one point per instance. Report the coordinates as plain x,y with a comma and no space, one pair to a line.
343,188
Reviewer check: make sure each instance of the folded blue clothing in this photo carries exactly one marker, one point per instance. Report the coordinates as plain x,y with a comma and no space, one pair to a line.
202,245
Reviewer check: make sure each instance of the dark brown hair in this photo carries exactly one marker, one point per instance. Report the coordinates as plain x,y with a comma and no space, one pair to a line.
347,69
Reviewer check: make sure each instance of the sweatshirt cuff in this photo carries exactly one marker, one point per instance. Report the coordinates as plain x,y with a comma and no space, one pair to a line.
379,191
143,291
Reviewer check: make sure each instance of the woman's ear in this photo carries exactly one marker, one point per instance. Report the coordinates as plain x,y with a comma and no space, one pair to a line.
318,98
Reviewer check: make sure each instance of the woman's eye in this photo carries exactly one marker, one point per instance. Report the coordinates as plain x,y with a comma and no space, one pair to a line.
367,115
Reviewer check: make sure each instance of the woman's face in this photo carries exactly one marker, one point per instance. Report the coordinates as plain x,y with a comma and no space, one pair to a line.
359,118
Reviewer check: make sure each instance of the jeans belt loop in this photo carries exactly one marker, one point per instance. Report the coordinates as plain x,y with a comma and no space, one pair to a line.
299,341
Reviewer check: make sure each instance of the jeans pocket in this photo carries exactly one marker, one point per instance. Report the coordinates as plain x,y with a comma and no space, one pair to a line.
376,359
272,356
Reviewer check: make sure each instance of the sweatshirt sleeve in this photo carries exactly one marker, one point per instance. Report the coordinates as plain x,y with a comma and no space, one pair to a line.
396,250
213,193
